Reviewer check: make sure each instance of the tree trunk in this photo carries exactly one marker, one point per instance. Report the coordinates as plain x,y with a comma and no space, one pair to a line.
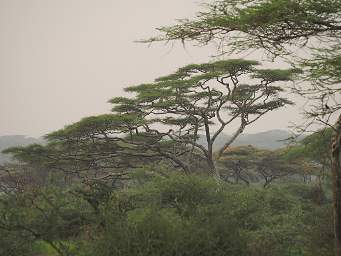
213,170
231,140
336,171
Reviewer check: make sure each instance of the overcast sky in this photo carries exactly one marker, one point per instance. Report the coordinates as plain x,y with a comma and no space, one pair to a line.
62,60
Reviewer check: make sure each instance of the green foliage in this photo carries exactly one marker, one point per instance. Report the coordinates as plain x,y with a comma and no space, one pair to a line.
50,215
276,74
30,153
15,243
178,215
325,67
97,125
194,216
315,146
265,23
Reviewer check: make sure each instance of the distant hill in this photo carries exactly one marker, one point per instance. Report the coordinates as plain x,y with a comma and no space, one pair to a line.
13,141
272,139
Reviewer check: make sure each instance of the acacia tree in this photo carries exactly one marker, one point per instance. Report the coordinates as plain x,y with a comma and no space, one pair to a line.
100,147
272,165
236,163
164,119
250,164
280,27
205,98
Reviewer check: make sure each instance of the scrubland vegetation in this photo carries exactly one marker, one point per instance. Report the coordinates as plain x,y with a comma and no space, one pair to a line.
148,178
175,215
267,203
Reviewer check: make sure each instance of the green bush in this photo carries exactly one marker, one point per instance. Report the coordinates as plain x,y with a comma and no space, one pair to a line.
45,216
175,216
191,215
15,243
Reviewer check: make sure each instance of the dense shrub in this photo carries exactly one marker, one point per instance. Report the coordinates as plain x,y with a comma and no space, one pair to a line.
49,215
15,243
185,215
175,216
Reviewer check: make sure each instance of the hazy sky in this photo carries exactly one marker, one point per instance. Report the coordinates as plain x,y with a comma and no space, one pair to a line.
61,60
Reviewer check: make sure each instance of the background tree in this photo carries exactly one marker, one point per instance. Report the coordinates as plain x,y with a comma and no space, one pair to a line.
252,165
99,147
314,148
236,163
